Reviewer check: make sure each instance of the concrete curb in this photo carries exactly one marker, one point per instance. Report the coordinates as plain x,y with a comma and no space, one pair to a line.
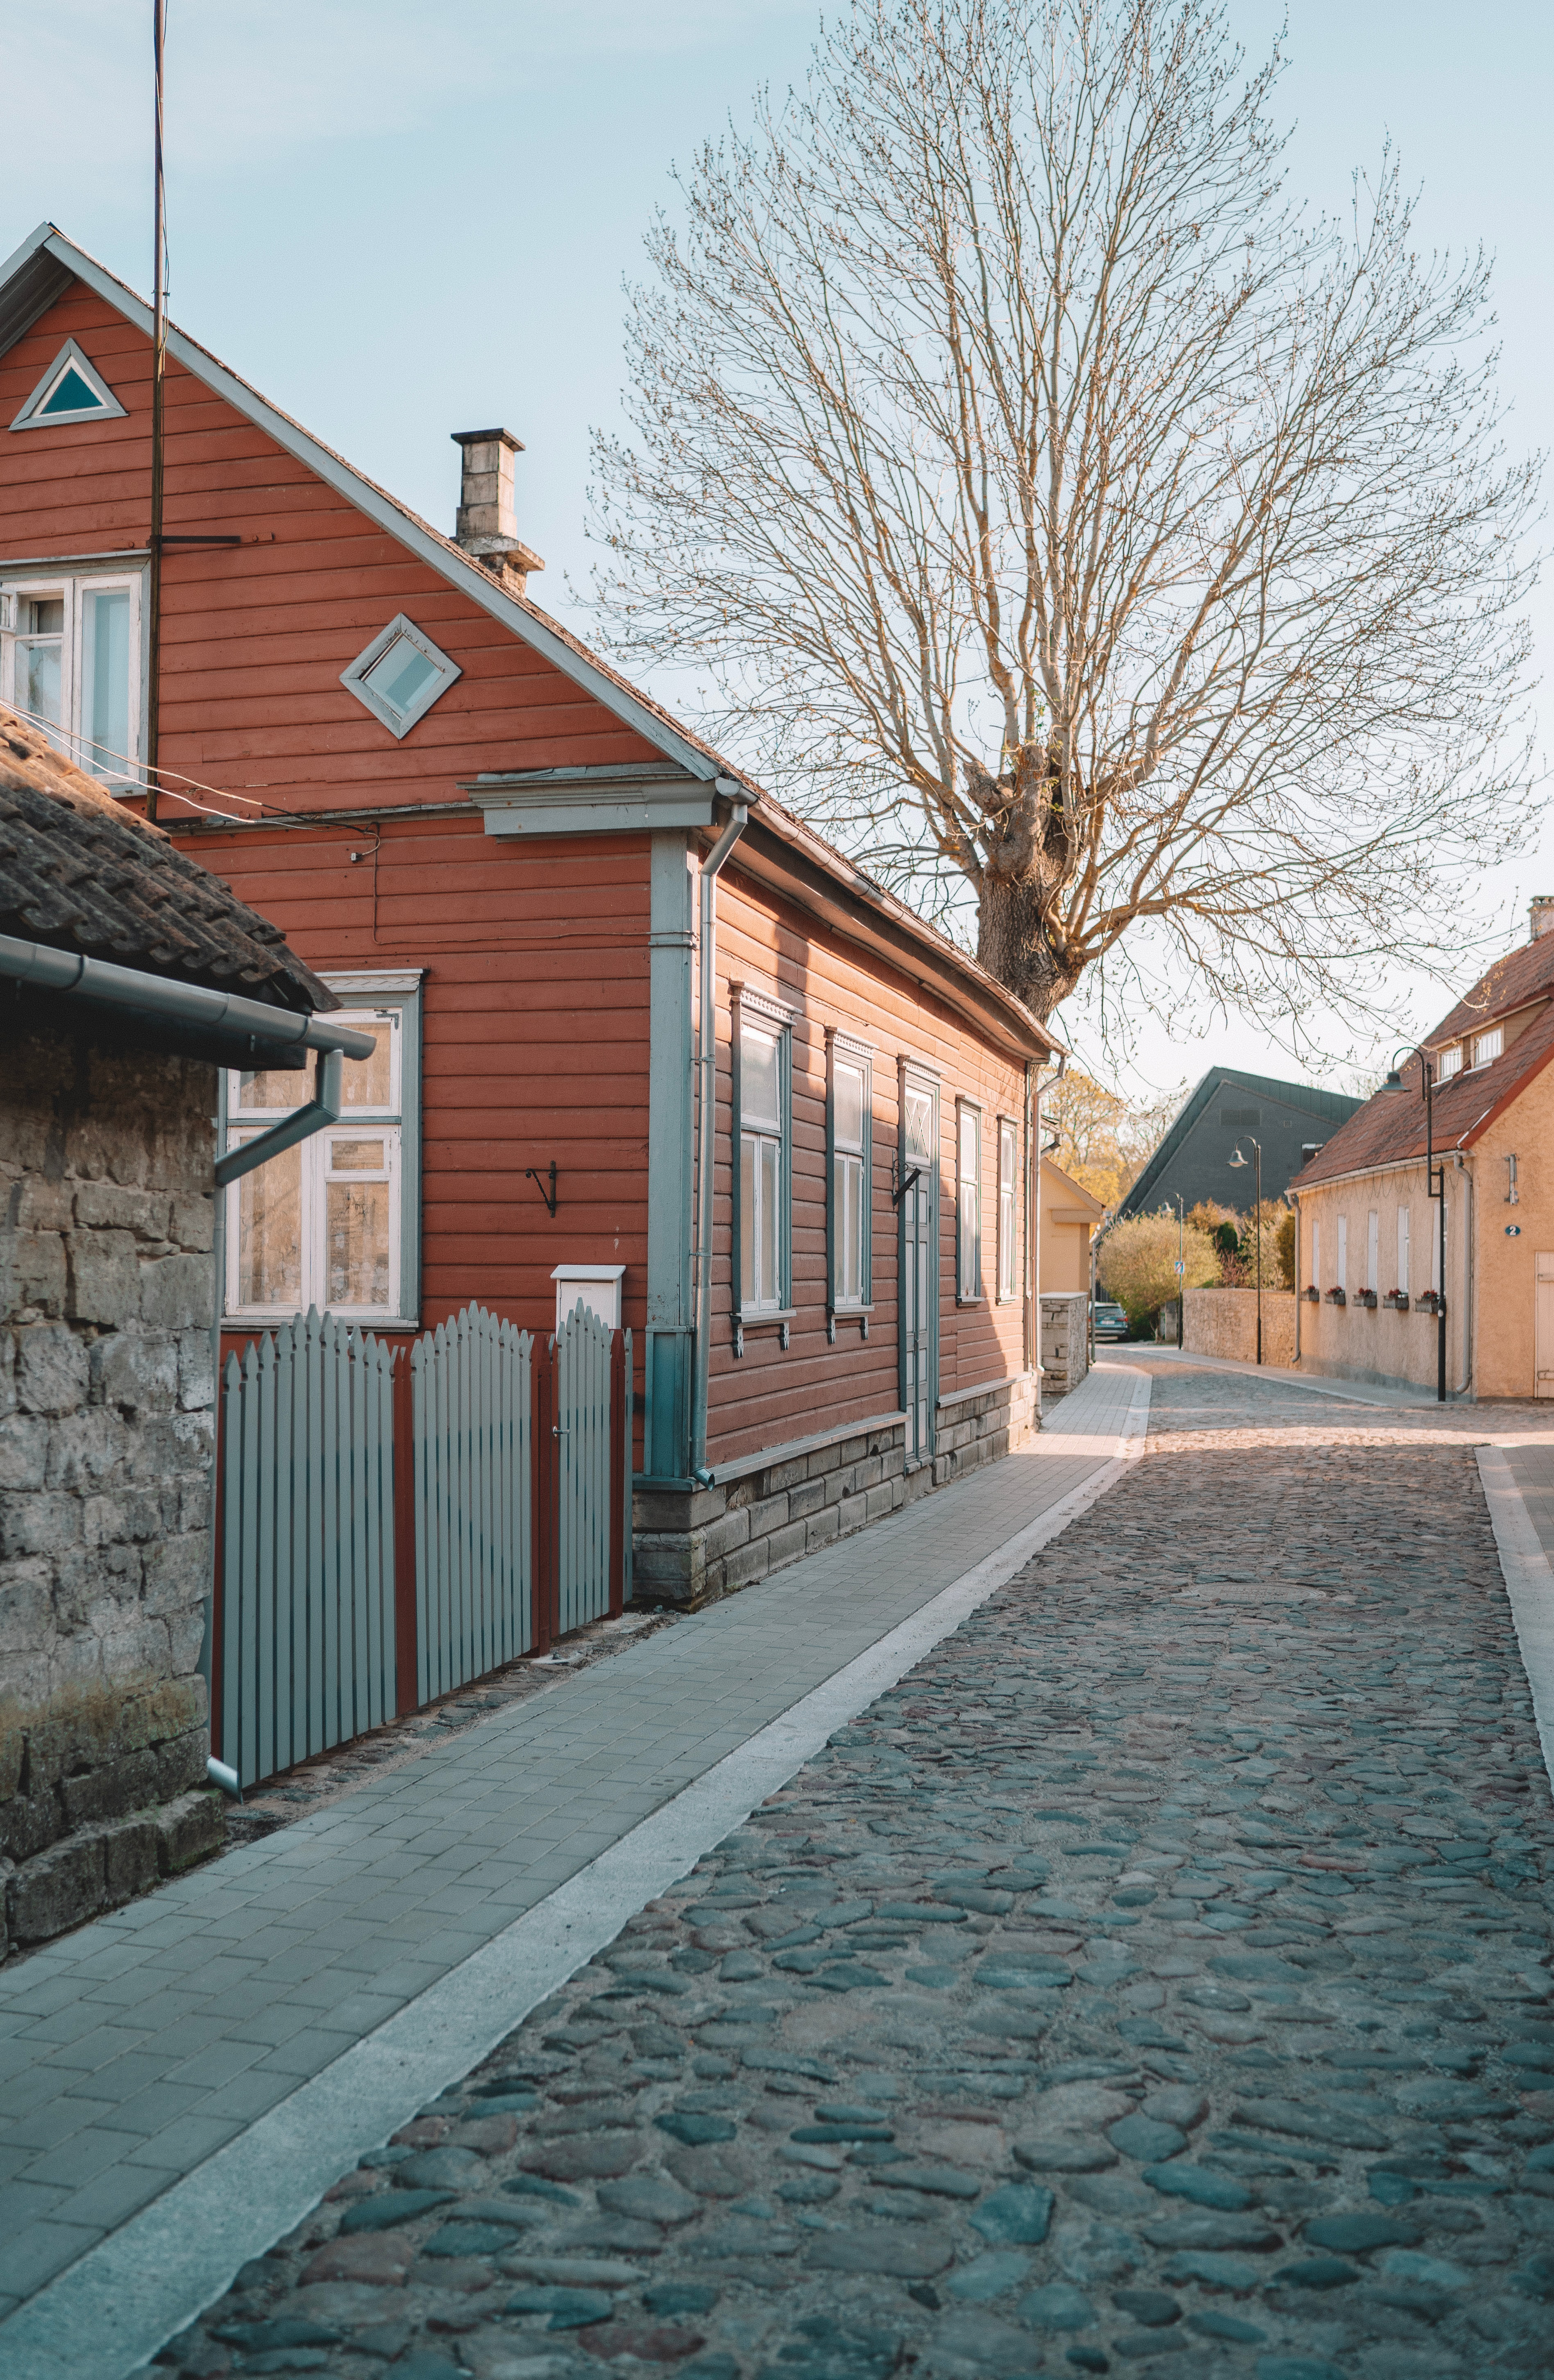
110,2311
1529,1586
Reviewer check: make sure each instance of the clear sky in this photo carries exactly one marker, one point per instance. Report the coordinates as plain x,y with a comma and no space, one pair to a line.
400,222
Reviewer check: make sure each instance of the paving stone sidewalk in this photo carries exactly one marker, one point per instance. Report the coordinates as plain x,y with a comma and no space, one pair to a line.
1156,1979
134,2050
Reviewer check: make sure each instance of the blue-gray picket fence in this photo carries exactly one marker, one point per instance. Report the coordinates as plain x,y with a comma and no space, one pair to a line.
474,1529
308,1545
342,1603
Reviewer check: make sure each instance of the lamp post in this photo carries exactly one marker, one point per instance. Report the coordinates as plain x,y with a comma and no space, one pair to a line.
1257,1228
1435,1187
1181,1274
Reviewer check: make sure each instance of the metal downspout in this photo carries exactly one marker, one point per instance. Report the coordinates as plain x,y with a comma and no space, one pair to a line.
1296,1202
1470,1278
712,868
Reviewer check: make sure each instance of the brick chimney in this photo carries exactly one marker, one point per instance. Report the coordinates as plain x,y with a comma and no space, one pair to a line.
1540,914
487,524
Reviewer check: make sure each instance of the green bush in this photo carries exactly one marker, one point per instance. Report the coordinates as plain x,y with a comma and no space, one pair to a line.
1135,1265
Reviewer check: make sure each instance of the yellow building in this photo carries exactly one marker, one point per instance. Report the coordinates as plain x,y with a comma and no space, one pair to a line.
1377,1254
1069,1215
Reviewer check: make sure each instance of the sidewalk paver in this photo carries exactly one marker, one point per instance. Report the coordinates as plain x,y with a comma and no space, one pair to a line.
1157,1977
143,2042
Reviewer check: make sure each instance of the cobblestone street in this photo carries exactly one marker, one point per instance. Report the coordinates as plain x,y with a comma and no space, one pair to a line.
1158,1974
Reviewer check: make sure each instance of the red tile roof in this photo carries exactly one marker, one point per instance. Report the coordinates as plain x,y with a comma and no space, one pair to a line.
1389,1128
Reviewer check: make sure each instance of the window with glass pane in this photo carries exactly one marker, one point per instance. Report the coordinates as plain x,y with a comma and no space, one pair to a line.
319,1225
762,1225
1451,1063
1487,1045
1008,1209
970,1203
69,663
849,1103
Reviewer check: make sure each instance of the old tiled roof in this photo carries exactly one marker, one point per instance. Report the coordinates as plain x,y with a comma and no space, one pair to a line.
81,872
1391,1127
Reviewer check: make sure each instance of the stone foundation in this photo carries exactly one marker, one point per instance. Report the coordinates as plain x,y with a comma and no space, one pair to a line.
106,1413
693,1546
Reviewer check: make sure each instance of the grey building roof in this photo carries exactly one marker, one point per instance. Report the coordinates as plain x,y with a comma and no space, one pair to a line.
1193,1161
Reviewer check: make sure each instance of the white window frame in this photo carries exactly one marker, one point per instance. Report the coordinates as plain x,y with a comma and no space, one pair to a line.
368,999
389,715
1404,1228
1373,1249
756,1018
968,1206
849,1180
46,582
1449,1063
1343,1254
1316,1253
1487,1045
1008,1209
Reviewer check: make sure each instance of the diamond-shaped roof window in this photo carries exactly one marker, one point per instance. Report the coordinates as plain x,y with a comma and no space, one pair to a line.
400,675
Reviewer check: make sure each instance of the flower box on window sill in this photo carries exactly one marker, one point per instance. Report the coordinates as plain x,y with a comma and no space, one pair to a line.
1365,1297
1337,1298
1312,1293
1429,1301
1397,1299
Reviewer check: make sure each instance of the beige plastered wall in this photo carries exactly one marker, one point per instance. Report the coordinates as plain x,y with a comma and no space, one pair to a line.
1063,1246
1384,1347
1506,1263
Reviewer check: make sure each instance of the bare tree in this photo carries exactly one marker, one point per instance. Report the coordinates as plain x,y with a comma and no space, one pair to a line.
1060,514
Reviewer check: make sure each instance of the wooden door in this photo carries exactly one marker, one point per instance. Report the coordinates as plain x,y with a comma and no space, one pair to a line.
1544,1337
919,1265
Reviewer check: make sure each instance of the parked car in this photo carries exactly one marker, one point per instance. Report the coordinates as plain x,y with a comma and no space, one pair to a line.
1108,1321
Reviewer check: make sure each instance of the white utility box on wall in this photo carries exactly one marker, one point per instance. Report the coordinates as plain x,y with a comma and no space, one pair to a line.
598,1287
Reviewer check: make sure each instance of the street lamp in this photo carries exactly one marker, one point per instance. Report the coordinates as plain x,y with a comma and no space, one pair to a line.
1435,1187
1181,1274
1257,1229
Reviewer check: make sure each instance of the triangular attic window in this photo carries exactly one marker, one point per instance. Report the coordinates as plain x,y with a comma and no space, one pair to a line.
71,390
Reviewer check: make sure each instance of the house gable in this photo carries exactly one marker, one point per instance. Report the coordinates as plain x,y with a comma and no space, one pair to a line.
256,637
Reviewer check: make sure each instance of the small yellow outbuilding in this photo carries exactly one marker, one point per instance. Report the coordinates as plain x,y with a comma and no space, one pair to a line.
1069,1216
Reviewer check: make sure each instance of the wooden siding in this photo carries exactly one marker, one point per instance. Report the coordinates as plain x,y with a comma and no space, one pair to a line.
255,637
770,1394
534,1033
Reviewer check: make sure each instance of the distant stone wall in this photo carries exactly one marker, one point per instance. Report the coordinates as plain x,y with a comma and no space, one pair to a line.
106,1416
1224,1322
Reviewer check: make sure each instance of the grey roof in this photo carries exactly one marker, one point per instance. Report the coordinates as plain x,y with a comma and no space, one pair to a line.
81,872
1330,1108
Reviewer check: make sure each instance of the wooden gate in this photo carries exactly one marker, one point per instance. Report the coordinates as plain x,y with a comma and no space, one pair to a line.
305,1621
394,1523
473,1462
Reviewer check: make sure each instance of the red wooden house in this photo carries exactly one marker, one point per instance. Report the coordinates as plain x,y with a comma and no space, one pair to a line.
497,852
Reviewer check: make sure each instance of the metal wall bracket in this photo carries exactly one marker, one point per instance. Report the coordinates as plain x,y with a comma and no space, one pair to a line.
532,1173
899,1188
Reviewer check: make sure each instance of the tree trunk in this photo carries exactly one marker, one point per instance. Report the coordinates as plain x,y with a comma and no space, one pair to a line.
1016,945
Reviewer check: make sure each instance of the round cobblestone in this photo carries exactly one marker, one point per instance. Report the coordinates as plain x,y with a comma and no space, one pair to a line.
1160,1970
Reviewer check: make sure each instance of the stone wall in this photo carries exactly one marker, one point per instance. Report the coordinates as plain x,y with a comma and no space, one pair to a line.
1224,1322
1065,1342
106,1415
691,1546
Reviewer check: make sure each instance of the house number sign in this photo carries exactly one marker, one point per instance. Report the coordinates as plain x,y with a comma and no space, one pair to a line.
1513,1231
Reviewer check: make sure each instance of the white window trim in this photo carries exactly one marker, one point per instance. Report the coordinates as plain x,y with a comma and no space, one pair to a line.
1495,1033
366,995
1404,1229
1449,1063
1343,1254
71,580
843,1050
354,679
968,1244
108,409
1008,1234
